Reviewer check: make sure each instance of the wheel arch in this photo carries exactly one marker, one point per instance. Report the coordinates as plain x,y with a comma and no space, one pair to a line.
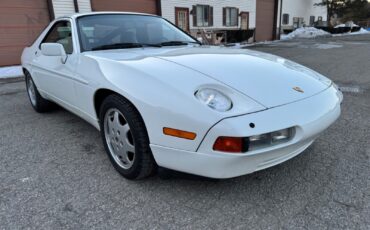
103,93
25,71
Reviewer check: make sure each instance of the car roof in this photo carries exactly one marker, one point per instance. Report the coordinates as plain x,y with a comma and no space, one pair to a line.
77,15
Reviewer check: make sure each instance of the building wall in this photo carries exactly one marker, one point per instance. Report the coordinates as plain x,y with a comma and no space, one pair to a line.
63,7
142,6
84,6
303,9
21,21
168,10
67,7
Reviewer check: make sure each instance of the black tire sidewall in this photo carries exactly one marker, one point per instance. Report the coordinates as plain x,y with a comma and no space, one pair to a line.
141,140
29,78
42,105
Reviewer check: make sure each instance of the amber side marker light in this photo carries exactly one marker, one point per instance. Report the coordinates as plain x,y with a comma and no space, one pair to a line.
230,144
179,133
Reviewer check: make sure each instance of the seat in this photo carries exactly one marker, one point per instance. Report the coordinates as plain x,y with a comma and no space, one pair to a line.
128,36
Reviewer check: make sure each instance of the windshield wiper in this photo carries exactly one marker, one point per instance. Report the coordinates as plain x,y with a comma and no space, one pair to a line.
176,43
126,45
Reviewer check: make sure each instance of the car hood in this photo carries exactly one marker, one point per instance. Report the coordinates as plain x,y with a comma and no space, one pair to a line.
270,80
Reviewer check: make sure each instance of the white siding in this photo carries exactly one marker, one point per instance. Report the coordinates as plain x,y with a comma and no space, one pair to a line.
84,6
63,7
303,9
168,10
67,7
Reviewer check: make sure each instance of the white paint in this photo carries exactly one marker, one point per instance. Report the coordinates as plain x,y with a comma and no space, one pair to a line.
168,10
161,83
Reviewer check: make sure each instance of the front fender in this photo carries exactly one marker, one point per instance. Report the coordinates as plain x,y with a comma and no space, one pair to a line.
163,93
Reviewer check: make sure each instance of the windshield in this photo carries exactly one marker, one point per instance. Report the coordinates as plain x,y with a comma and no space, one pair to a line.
122,31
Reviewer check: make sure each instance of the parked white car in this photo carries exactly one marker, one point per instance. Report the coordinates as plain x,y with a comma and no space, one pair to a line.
159,98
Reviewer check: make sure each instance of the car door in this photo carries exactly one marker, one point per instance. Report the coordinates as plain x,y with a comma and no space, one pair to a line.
55,77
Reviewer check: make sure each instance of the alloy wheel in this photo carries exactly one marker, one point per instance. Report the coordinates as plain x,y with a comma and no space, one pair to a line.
119,138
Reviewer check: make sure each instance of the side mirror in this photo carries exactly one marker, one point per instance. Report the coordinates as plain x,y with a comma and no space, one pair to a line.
54,49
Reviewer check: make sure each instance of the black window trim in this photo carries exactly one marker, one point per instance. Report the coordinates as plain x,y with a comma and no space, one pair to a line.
52,27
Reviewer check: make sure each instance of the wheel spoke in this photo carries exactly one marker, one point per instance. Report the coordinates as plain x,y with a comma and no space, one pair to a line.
117,139
31,91
124,129
116,120
125,158
129,147
110,124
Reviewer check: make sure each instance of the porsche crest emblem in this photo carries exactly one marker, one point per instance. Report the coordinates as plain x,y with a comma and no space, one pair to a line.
298,89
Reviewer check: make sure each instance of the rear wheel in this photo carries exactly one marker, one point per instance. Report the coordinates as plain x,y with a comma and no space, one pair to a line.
125,138
37,101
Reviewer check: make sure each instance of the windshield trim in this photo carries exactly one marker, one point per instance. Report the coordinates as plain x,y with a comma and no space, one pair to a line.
82,50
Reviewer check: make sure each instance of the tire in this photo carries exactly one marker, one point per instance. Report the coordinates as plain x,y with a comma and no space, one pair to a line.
125,138
39,104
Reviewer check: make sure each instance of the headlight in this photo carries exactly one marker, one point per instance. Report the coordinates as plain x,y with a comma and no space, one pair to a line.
214,99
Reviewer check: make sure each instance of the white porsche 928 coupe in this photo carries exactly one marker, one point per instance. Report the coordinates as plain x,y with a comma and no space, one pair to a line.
160,98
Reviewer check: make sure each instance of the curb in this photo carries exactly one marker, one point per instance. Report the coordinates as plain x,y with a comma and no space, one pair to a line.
11,79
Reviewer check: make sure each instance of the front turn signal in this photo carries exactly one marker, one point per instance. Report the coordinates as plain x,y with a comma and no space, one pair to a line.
179,133
229,144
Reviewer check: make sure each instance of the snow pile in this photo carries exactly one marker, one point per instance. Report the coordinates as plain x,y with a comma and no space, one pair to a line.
361,31
11,71
305,32
347,25
340,26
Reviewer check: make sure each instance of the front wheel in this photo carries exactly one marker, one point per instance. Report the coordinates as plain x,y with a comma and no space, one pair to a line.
125,138
40,104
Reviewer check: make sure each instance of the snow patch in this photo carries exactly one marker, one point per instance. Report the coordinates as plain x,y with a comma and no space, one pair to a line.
347,25
305,32
326,46
11,71
340,26
244,45
361,31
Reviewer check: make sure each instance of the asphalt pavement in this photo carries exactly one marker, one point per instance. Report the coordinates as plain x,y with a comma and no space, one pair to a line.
54,173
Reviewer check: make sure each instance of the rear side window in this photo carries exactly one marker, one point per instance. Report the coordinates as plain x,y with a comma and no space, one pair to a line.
61,33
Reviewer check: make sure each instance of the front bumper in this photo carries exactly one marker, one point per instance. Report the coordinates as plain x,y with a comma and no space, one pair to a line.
310,117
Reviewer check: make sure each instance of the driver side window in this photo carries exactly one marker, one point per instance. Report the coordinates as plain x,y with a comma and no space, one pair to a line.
61,33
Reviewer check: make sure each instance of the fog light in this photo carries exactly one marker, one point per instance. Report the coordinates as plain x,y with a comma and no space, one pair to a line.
280,135
270,139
